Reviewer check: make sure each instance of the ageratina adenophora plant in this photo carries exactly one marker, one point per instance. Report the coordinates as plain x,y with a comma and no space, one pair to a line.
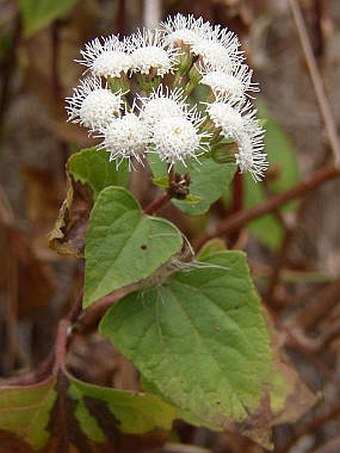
145,94
175,104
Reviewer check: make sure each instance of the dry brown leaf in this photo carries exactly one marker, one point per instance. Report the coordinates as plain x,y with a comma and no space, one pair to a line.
68,234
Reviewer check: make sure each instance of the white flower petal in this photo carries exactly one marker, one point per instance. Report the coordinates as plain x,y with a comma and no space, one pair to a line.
126,138
232,84
162,103
106,57
92,106
150,54
176,139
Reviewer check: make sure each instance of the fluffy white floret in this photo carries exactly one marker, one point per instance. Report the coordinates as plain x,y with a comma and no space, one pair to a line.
149,53
92,106
213,53
162,103
234,118
106,57
185,30
251,157
214,45
126,138
176,139
226,117
233,85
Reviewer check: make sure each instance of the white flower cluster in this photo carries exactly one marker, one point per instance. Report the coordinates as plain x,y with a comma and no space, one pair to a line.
144,94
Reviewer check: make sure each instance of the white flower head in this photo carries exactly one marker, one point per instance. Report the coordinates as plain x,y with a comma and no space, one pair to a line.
149,53
176,139
126,138
92,106
216,46
234,118
219,49
213,53
107,57
233,85
227,38
161,104
251,157
185,30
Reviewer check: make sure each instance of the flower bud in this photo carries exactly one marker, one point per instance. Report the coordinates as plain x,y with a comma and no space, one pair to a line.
225,152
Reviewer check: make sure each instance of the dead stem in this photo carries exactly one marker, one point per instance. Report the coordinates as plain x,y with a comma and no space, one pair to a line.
323,102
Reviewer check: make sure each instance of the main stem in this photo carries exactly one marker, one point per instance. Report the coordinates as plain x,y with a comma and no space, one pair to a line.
164,198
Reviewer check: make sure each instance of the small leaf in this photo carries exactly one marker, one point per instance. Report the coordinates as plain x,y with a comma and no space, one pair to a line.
122,245
91,166
192,199
200,339
162,182
37,14
208,181
211,247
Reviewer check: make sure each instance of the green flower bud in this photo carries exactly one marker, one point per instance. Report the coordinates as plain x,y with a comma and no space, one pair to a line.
148,82
224,152
119,83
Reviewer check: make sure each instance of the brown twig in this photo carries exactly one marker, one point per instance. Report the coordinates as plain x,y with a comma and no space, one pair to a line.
323,102
326,299
241,218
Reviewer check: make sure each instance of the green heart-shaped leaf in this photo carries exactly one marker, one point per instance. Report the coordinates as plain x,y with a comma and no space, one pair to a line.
200,340
122,245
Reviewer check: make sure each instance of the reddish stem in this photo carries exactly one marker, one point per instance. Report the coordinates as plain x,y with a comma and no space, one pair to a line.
60,345
157,203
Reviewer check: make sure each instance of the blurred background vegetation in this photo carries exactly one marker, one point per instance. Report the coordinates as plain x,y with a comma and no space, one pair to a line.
294,253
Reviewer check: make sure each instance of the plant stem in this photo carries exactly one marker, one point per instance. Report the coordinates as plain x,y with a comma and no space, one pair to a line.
163,199
157,203
321,97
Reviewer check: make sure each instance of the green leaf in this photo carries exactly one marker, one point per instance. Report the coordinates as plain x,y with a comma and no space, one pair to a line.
208,181
282,158
211,247
37,14
64,411
26,411
200,339
122,245
136,413
92,166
